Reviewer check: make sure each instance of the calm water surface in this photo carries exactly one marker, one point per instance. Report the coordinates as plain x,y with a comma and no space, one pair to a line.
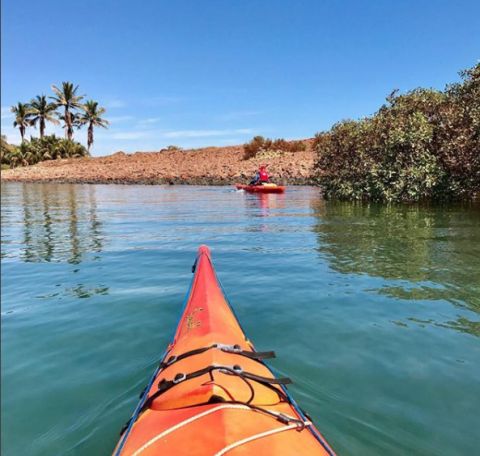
372,310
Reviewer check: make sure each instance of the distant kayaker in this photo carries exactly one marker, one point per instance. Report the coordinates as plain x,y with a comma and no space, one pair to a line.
261,176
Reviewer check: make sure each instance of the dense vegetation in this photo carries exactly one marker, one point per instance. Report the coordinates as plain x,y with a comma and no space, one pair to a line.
66,106
423,145
40,149
260,144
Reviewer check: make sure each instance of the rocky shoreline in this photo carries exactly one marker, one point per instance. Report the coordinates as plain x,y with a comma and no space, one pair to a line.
207,166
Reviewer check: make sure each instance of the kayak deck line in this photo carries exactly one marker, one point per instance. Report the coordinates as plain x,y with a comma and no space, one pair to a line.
209,372
258,436
213,410
188,421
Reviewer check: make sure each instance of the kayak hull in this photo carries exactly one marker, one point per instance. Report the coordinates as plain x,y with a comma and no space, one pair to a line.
222,411
261,188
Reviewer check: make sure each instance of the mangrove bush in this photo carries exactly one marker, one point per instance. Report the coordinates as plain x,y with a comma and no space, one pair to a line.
422,145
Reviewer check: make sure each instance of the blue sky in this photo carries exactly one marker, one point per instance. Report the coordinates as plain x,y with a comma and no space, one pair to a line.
217,72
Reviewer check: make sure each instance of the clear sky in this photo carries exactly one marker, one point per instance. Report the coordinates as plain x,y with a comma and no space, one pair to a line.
217,72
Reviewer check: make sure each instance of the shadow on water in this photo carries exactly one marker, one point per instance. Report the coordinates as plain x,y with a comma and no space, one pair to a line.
59,223
424,252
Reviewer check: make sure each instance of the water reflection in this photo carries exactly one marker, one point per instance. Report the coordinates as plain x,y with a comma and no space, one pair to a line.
265,202
58,222
425,253
260,206
461,324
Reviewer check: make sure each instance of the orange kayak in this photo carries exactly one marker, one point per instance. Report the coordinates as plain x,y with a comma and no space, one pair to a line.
266,188
212,394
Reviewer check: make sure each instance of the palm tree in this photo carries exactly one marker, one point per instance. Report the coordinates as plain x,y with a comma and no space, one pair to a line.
68,98
75,121
22,117
92,116
42,111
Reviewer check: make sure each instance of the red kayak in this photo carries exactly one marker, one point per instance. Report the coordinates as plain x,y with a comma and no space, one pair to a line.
212,394
265,188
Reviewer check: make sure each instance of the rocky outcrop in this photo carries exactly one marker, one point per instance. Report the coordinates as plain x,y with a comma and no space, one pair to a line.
208,166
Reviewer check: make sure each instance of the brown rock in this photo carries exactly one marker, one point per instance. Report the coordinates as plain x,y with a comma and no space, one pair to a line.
211,165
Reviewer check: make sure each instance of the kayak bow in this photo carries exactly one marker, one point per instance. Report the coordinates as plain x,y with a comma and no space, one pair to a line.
212,394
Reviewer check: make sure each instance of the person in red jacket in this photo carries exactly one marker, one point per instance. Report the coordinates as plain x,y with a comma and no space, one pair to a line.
261,177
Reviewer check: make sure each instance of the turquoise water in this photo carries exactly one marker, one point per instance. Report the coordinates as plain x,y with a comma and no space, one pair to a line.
372,310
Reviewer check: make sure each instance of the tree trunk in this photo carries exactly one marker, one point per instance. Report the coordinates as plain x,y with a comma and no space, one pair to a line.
90,137
22,132
42,127
68,131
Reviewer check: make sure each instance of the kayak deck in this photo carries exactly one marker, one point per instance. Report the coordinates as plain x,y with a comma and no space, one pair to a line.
212,394
268,188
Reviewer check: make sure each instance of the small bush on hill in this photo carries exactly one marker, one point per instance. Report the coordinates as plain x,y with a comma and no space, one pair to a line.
261,144
252,148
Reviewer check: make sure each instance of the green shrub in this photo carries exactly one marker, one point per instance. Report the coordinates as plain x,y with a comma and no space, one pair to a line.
5,152
421,145
41,149
66,148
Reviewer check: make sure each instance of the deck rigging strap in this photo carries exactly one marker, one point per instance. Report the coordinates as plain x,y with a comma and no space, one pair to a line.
164,385
235,349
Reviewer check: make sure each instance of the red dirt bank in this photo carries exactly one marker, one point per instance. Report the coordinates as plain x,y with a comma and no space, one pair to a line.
211,165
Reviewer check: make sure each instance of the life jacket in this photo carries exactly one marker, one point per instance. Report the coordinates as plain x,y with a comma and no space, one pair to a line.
263,175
